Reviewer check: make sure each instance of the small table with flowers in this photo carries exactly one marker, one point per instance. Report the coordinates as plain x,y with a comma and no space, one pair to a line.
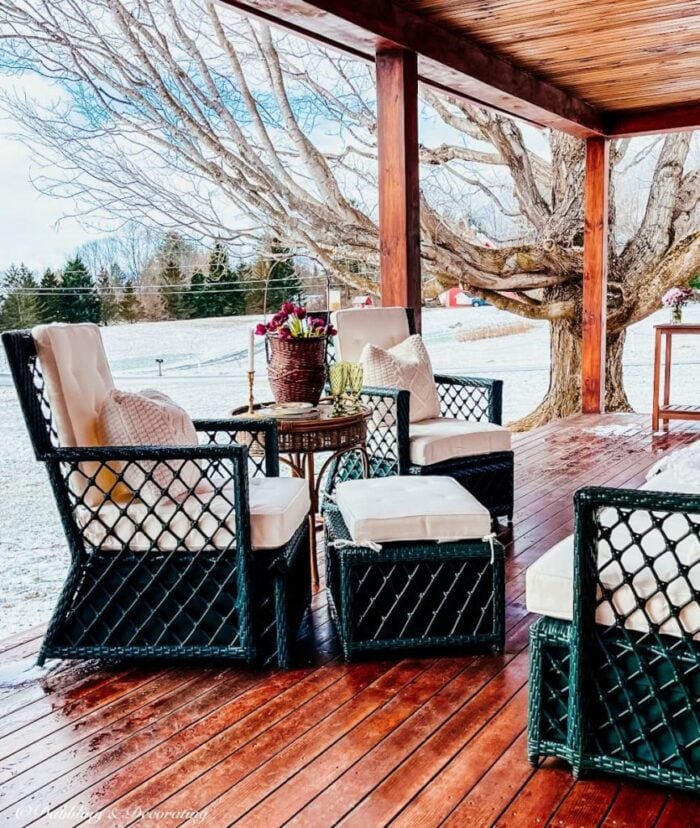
326,432
663,410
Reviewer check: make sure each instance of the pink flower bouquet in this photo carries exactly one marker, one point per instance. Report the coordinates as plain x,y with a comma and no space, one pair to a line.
292,322
677,297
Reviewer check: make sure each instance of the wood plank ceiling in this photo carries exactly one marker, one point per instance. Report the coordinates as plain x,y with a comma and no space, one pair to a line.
616,55
587,67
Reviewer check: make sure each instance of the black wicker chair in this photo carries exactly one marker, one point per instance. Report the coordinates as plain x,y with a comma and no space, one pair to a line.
489,477
149,580
617,689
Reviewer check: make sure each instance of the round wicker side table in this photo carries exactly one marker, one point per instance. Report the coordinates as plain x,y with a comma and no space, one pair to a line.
300,439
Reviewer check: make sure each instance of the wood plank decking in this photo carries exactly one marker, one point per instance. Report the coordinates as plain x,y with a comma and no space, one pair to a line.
416,741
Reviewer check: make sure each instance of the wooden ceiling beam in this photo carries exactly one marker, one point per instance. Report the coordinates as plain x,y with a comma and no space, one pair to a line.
447,61
653,121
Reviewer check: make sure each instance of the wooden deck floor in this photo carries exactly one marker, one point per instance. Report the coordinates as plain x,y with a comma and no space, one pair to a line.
417,741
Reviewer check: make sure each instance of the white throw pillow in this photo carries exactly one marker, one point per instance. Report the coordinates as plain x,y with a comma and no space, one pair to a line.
407,367
150,418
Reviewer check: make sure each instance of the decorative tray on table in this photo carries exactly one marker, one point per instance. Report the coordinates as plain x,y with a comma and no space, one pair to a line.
290,410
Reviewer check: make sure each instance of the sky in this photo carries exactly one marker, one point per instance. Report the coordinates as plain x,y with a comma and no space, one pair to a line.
28,219
29,230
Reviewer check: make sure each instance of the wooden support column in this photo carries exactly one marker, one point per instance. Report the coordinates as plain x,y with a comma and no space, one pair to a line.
399,189
595,275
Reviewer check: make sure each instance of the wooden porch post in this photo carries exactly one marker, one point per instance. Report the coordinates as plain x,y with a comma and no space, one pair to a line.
399,193
595,276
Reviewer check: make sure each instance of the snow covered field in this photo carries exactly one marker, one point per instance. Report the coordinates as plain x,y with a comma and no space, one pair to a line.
204,370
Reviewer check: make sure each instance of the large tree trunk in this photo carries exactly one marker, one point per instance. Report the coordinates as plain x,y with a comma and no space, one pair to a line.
615,396
564,395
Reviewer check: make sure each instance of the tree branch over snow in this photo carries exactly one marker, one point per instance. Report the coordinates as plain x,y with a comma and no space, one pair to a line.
184,115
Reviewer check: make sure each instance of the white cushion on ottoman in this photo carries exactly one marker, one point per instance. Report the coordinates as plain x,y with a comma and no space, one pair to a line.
389,509
549,581
444,438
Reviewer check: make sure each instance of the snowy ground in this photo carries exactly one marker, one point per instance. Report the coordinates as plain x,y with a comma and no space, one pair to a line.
204,369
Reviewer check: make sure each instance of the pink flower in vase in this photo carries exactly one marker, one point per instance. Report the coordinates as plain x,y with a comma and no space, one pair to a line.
677,297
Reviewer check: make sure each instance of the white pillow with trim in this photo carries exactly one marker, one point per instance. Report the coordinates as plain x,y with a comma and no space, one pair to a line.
150,418
406,367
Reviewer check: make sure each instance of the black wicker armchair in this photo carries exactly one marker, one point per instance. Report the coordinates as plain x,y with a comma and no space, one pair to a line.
154,575
617,688
394,442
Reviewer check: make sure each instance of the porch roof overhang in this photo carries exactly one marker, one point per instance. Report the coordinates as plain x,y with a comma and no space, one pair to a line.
595,69
585,67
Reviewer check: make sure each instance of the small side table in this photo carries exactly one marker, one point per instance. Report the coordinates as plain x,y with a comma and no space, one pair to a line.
663,410
301,438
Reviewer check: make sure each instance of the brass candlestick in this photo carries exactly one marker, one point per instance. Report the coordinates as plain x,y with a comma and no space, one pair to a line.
251,395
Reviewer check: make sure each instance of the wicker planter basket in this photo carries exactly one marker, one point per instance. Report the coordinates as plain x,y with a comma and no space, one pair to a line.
296,368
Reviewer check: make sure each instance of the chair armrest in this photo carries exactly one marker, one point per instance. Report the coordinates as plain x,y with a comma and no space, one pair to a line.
125,454
622,521
387,441
470,398
89,461
387,430
86,478
257,434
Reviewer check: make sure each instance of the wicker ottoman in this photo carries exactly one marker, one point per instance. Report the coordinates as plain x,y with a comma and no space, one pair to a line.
411,563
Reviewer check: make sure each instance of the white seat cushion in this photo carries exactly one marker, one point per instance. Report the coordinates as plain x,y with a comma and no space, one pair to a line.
549,581
278,506
383,327
444,438
410,509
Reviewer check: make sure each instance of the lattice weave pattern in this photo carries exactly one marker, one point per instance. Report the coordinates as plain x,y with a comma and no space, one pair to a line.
414,594
470,398
549,683
258,435
639,565
168,575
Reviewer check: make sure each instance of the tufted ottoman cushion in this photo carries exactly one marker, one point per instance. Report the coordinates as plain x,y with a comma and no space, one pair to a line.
388,509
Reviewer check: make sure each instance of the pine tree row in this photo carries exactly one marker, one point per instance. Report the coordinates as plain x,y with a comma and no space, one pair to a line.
217,289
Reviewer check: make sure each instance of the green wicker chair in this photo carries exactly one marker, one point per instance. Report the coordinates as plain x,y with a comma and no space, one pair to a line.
180,581
617,689
488,476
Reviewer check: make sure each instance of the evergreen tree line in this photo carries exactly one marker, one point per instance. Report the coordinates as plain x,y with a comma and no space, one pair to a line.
173,290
